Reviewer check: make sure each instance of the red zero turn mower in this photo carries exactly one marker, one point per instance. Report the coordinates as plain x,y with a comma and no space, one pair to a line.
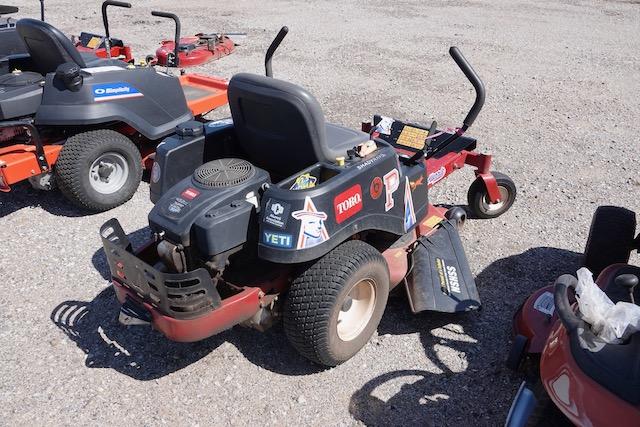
193,50
275,212
103,46
573,376
89,125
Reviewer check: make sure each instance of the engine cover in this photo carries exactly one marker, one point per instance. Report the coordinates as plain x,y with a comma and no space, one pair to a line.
213,208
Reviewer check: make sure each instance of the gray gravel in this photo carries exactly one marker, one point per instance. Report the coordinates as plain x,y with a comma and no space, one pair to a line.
561,118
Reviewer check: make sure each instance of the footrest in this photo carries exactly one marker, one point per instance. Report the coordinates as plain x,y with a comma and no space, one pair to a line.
440,279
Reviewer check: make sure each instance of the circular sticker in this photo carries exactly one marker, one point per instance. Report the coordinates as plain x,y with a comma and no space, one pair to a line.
375,190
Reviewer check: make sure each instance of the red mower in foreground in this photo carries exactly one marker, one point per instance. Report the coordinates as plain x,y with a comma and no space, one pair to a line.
573,375
276,213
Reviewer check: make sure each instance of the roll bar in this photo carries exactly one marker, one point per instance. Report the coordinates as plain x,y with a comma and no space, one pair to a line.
272,49
105,21
176,44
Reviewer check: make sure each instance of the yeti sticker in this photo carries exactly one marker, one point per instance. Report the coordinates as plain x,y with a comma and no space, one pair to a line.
409,212
312,230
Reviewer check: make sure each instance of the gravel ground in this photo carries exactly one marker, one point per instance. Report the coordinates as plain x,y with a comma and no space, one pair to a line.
561,118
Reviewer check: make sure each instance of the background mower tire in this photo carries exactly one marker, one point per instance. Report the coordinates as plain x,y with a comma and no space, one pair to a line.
99,169
610,238
334,307
478,198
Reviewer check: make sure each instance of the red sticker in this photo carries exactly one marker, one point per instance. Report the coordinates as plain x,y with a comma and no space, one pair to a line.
190,193
375,189
348,203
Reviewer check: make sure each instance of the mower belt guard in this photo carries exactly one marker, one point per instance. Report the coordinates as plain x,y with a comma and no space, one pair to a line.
178,295
441,279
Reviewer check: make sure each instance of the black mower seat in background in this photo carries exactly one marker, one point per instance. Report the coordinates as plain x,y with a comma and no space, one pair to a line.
49,48
281,127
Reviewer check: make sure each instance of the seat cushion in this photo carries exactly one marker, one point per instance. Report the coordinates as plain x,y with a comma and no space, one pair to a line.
340,139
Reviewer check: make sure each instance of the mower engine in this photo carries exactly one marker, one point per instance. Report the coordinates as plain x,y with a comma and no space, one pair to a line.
207,217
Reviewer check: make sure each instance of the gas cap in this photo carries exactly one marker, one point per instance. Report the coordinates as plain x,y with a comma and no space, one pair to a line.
189,129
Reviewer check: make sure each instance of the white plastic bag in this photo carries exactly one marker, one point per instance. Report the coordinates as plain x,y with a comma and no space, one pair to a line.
611,322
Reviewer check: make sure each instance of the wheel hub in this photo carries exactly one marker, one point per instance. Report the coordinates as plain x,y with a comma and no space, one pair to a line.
487,207
108,173
357,310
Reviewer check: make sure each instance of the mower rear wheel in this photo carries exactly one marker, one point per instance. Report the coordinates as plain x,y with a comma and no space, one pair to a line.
334,307
610,238
478,197
98,170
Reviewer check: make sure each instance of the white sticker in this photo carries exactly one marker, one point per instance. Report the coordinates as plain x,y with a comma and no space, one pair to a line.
545,304
384,126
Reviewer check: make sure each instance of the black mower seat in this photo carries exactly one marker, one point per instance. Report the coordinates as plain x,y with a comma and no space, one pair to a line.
49,48
281,127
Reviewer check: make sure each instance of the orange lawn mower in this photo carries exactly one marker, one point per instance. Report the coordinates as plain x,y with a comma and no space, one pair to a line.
90,128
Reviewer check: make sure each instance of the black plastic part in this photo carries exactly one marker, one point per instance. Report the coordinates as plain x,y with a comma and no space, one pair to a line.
42,10
440,279
7,10
179,295
191,128
178,157
570,321
69,74
20,94
272,49
516,352
176,41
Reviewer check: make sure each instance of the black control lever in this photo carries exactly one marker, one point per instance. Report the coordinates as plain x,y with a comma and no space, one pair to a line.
105,21
475,80
629,282
41,10
176,43
272,48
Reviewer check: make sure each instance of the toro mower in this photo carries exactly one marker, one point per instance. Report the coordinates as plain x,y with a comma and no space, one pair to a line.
104,46
275,212
88,125
193,50
573,374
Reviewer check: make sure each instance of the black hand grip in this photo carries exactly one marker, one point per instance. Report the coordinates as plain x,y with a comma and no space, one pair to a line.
475,81
105,22
176,41
561,301
272,48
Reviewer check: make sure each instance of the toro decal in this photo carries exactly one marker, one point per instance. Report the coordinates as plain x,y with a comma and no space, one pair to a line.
348,203
112,91
312,230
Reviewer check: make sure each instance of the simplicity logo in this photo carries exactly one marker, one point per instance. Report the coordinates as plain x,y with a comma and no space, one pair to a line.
111,91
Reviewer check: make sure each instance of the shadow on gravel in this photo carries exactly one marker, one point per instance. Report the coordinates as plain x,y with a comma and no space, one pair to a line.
467,349
22,196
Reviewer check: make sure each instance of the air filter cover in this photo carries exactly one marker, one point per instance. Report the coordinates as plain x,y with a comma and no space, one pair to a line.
224,173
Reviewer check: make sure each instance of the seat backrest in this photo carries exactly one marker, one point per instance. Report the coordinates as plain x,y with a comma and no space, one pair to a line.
47,46
280,126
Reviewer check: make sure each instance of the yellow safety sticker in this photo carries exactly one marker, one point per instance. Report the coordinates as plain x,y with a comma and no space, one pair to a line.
412,137
94,42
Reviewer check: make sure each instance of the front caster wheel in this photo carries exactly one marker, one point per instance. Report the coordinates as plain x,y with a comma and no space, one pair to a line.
334,307
478,197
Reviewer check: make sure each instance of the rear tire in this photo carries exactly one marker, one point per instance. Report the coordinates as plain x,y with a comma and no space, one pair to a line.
478,197
610,238
98,170
334,307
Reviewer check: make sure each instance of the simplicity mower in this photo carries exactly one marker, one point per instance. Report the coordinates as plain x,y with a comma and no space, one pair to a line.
88,125
573,375
274,212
